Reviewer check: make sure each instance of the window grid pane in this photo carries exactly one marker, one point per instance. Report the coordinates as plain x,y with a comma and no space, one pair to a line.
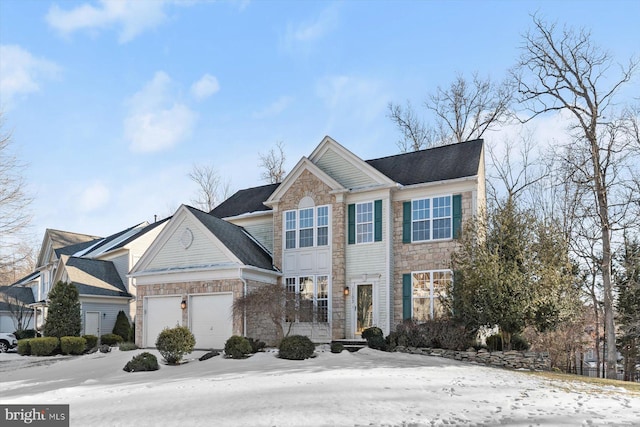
322,299
429,289
364,222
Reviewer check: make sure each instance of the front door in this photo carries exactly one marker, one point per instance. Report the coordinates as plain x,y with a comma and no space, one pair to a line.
364,308
92,323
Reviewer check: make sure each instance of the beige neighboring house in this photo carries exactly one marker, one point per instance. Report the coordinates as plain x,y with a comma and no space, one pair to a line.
98,268
366,243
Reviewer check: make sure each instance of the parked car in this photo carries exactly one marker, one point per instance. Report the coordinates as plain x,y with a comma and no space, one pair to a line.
7,341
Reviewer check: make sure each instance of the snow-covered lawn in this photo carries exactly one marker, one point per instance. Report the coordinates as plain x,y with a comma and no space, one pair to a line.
347,389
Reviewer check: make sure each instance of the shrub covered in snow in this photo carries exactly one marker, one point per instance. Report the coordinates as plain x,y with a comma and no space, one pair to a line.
237,347
142,362
296,347
174,343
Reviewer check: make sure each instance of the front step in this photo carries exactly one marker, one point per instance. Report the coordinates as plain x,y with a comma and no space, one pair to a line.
351,345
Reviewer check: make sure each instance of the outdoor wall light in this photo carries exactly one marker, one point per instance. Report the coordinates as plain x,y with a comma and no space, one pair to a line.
183,304
346,291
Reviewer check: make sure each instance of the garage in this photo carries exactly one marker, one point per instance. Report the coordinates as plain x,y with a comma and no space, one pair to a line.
160,312
211,320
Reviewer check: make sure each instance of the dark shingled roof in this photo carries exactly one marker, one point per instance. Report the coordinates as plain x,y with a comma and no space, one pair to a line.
236,239
22,294
60,239
141,233
433,164
101,277
245,201
72,249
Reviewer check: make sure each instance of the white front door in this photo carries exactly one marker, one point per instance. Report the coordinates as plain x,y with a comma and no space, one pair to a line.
364,307
92,323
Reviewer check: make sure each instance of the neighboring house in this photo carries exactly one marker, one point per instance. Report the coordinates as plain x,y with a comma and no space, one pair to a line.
15,308
98,268
366,243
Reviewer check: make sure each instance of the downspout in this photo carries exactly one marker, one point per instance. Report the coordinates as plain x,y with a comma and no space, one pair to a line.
244,311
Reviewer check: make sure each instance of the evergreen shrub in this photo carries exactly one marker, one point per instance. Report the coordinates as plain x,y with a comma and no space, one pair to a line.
127,346
237,347
72,345
337,347
24,348
174,343
142,362
92,341
110,339
296,347
122,326
43,346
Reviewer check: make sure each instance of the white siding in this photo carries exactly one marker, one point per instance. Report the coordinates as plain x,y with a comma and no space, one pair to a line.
261,228
343,171
201,251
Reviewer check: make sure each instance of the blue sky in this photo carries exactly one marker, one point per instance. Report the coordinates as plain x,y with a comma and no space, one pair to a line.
111,102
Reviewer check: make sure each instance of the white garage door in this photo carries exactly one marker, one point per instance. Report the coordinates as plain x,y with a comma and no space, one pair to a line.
161,312
210,318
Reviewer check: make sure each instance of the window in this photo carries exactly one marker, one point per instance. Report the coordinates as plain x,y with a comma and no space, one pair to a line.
307,299
364,222
302,231
431,219
290,229
427,290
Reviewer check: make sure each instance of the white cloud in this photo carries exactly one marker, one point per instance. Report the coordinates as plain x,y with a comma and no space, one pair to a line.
21,73
129,17
313,30
94,197
205,87
275,108
155,121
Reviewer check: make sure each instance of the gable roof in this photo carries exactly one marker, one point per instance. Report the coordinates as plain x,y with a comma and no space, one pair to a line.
95,277
142,232
20,293
245,201
236,239
433,164
59,239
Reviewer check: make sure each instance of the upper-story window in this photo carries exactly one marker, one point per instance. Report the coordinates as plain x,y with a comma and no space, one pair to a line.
306,227
364,222
431,218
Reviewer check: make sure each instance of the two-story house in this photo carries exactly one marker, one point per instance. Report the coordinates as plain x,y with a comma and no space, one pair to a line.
365,243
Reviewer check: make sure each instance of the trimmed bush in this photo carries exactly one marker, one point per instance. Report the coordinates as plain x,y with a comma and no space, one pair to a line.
110,339
375,338
494,342
72,345
24,347
92,341
256,345
519,343
44,346
142,362
127,346
174,343
104,348
296,347
237,347
444,334
25,333
337,347
122,326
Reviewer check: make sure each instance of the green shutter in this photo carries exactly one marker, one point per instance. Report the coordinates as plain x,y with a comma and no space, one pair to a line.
377,221
406,297
457,215
351,221
406,222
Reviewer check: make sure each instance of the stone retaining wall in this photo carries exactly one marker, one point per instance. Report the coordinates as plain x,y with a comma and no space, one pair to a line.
505,359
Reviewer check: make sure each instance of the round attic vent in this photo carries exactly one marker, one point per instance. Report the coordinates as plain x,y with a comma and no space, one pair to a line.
187,238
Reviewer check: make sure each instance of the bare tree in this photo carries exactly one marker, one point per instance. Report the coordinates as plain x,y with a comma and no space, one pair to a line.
21,314
273,164
212,190
14,203
464,110
565,71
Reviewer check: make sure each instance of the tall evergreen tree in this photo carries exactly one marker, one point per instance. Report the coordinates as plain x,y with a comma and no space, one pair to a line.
63,317
628,307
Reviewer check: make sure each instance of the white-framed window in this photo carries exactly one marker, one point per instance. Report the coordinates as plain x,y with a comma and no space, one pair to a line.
428,288
307,299
364,222
431,218
305,228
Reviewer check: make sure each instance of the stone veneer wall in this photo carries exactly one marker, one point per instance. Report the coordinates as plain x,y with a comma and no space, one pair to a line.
309,185
185,289
260,326
505,359
408,257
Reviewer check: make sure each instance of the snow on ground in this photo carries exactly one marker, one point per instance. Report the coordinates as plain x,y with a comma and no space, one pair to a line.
367,388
